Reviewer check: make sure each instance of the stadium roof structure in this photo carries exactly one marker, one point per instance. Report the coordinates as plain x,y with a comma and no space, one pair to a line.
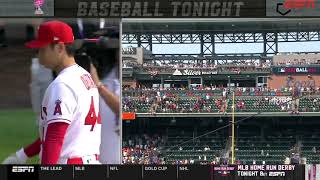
233,25
208,32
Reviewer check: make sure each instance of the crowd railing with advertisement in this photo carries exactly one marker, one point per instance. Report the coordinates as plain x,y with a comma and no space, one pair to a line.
294,69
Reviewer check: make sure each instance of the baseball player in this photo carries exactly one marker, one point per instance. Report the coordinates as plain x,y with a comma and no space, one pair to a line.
70,122
41,77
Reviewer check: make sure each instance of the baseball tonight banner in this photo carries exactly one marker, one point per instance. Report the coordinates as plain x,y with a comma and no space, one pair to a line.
160,8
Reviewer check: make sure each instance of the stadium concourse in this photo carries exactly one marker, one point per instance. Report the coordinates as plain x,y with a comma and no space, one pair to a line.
179,106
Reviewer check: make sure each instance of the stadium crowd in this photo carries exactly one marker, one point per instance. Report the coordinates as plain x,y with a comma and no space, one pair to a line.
250,149
296,62
207,64
143,150
218,100
150,149
234,67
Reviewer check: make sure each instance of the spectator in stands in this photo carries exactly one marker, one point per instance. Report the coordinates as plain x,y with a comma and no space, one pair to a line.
207,96
296,94
240,105
289,102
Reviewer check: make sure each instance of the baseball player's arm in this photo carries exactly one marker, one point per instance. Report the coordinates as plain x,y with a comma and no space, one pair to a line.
111,99
53,142
33,149
22,155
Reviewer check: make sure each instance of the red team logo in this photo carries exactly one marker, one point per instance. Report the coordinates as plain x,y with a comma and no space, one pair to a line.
57,109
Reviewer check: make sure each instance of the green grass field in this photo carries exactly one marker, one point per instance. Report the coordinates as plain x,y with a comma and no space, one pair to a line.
17,129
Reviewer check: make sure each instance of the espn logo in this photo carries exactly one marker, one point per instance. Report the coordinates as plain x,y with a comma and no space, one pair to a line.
22,169
298,4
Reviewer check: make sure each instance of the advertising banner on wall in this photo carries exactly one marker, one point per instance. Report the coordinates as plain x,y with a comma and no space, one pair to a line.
296,70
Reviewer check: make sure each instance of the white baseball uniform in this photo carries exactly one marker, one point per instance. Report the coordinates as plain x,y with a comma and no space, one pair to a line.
110,148
41,77
74,99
